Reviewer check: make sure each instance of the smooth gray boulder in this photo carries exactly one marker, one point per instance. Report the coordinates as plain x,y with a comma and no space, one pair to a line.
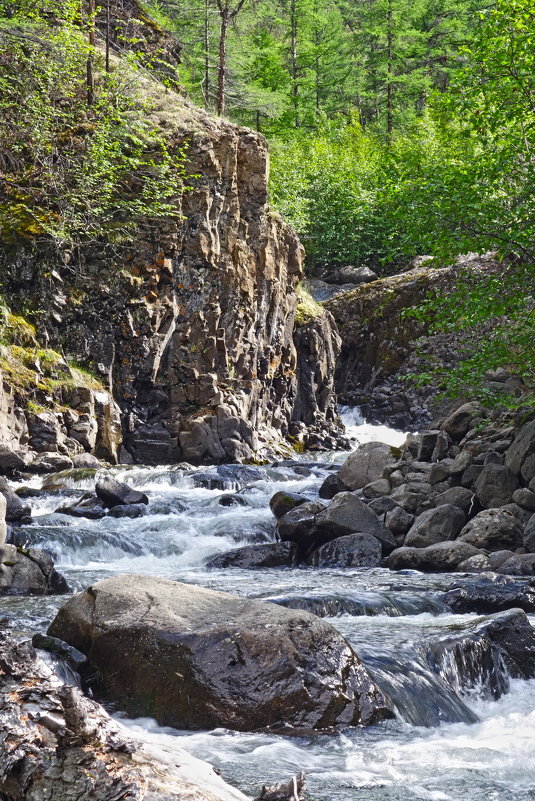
85,460
475,564
440,558
353,550
493,530
365,465
495,485
299,521
10,460
50,462
436,525
248,665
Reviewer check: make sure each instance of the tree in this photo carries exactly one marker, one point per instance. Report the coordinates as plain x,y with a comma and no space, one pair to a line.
226,15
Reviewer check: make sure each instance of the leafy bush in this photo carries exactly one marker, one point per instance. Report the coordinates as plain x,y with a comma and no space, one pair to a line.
68,169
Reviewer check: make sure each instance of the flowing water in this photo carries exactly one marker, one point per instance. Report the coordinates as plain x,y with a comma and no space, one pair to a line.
463,729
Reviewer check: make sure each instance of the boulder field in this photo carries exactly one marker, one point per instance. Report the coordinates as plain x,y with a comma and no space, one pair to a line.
249,665
459,497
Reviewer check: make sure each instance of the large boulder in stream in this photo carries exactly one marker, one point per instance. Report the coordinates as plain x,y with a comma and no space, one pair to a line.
439,558
197,659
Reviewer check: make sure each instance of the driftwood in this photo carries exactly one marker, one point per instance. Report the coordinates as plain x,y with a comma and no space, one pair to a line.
57,743
291,791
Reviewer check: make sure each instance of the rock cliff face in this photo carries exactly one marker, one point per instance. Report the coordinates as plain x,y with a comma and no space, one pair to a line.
191,326
381,343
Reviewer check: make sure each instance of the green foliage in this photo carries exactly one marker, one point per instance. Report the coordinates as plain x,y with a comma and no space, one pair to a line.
307,308
68,170
491,320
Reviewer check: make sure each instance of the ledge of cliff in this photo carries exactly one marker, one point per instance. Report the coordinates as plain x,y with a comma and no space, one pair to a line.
190,326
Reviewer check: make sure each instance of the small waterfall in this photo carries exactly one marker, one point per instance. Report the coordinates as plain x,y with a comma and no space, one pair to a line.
365,603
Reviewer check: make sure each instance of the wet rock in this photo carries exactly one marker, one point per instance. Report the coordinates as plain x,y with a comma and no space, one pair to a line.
436,525
495,485
50,462
29,572
269,554
67,479
89,506
63,745
249,665
520,457
484,655
115,493
353,550
497,558
439,558
493,530
490,593
16,511
127,510
364,465
282,502
231,500
350,275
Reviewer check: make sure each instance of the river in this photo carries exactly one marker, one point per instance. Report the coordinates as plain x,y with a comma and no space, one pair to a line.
450,740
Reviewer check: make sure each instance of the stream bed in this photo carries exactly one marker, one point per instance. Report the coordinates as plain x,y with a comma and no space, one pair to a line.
451,740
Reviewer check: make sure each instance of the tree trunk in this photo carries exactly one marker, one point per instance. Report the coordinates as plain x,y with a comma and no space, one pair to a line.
92,42
222,60
107,35
295,83
206,58
389,70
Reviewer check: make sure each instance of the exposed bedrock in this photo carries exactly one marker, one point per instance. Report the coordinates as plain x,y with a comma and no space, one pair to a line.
56,743
249,665
192,325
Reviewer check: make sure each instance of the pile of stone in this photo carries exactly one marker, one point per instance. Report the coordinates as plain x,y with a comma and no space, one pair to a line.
460,497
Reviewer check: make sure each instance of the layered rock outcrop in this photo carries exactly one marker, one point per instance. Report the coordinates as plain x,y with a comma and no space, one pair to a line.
191,326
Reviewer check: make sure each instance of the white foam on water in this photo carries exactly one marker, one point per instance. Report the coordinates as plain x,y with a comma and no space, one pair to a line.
360,431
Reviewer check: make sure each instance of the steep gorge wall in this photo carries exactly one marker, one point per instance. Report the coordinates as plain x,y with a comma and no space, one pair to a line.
191,325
